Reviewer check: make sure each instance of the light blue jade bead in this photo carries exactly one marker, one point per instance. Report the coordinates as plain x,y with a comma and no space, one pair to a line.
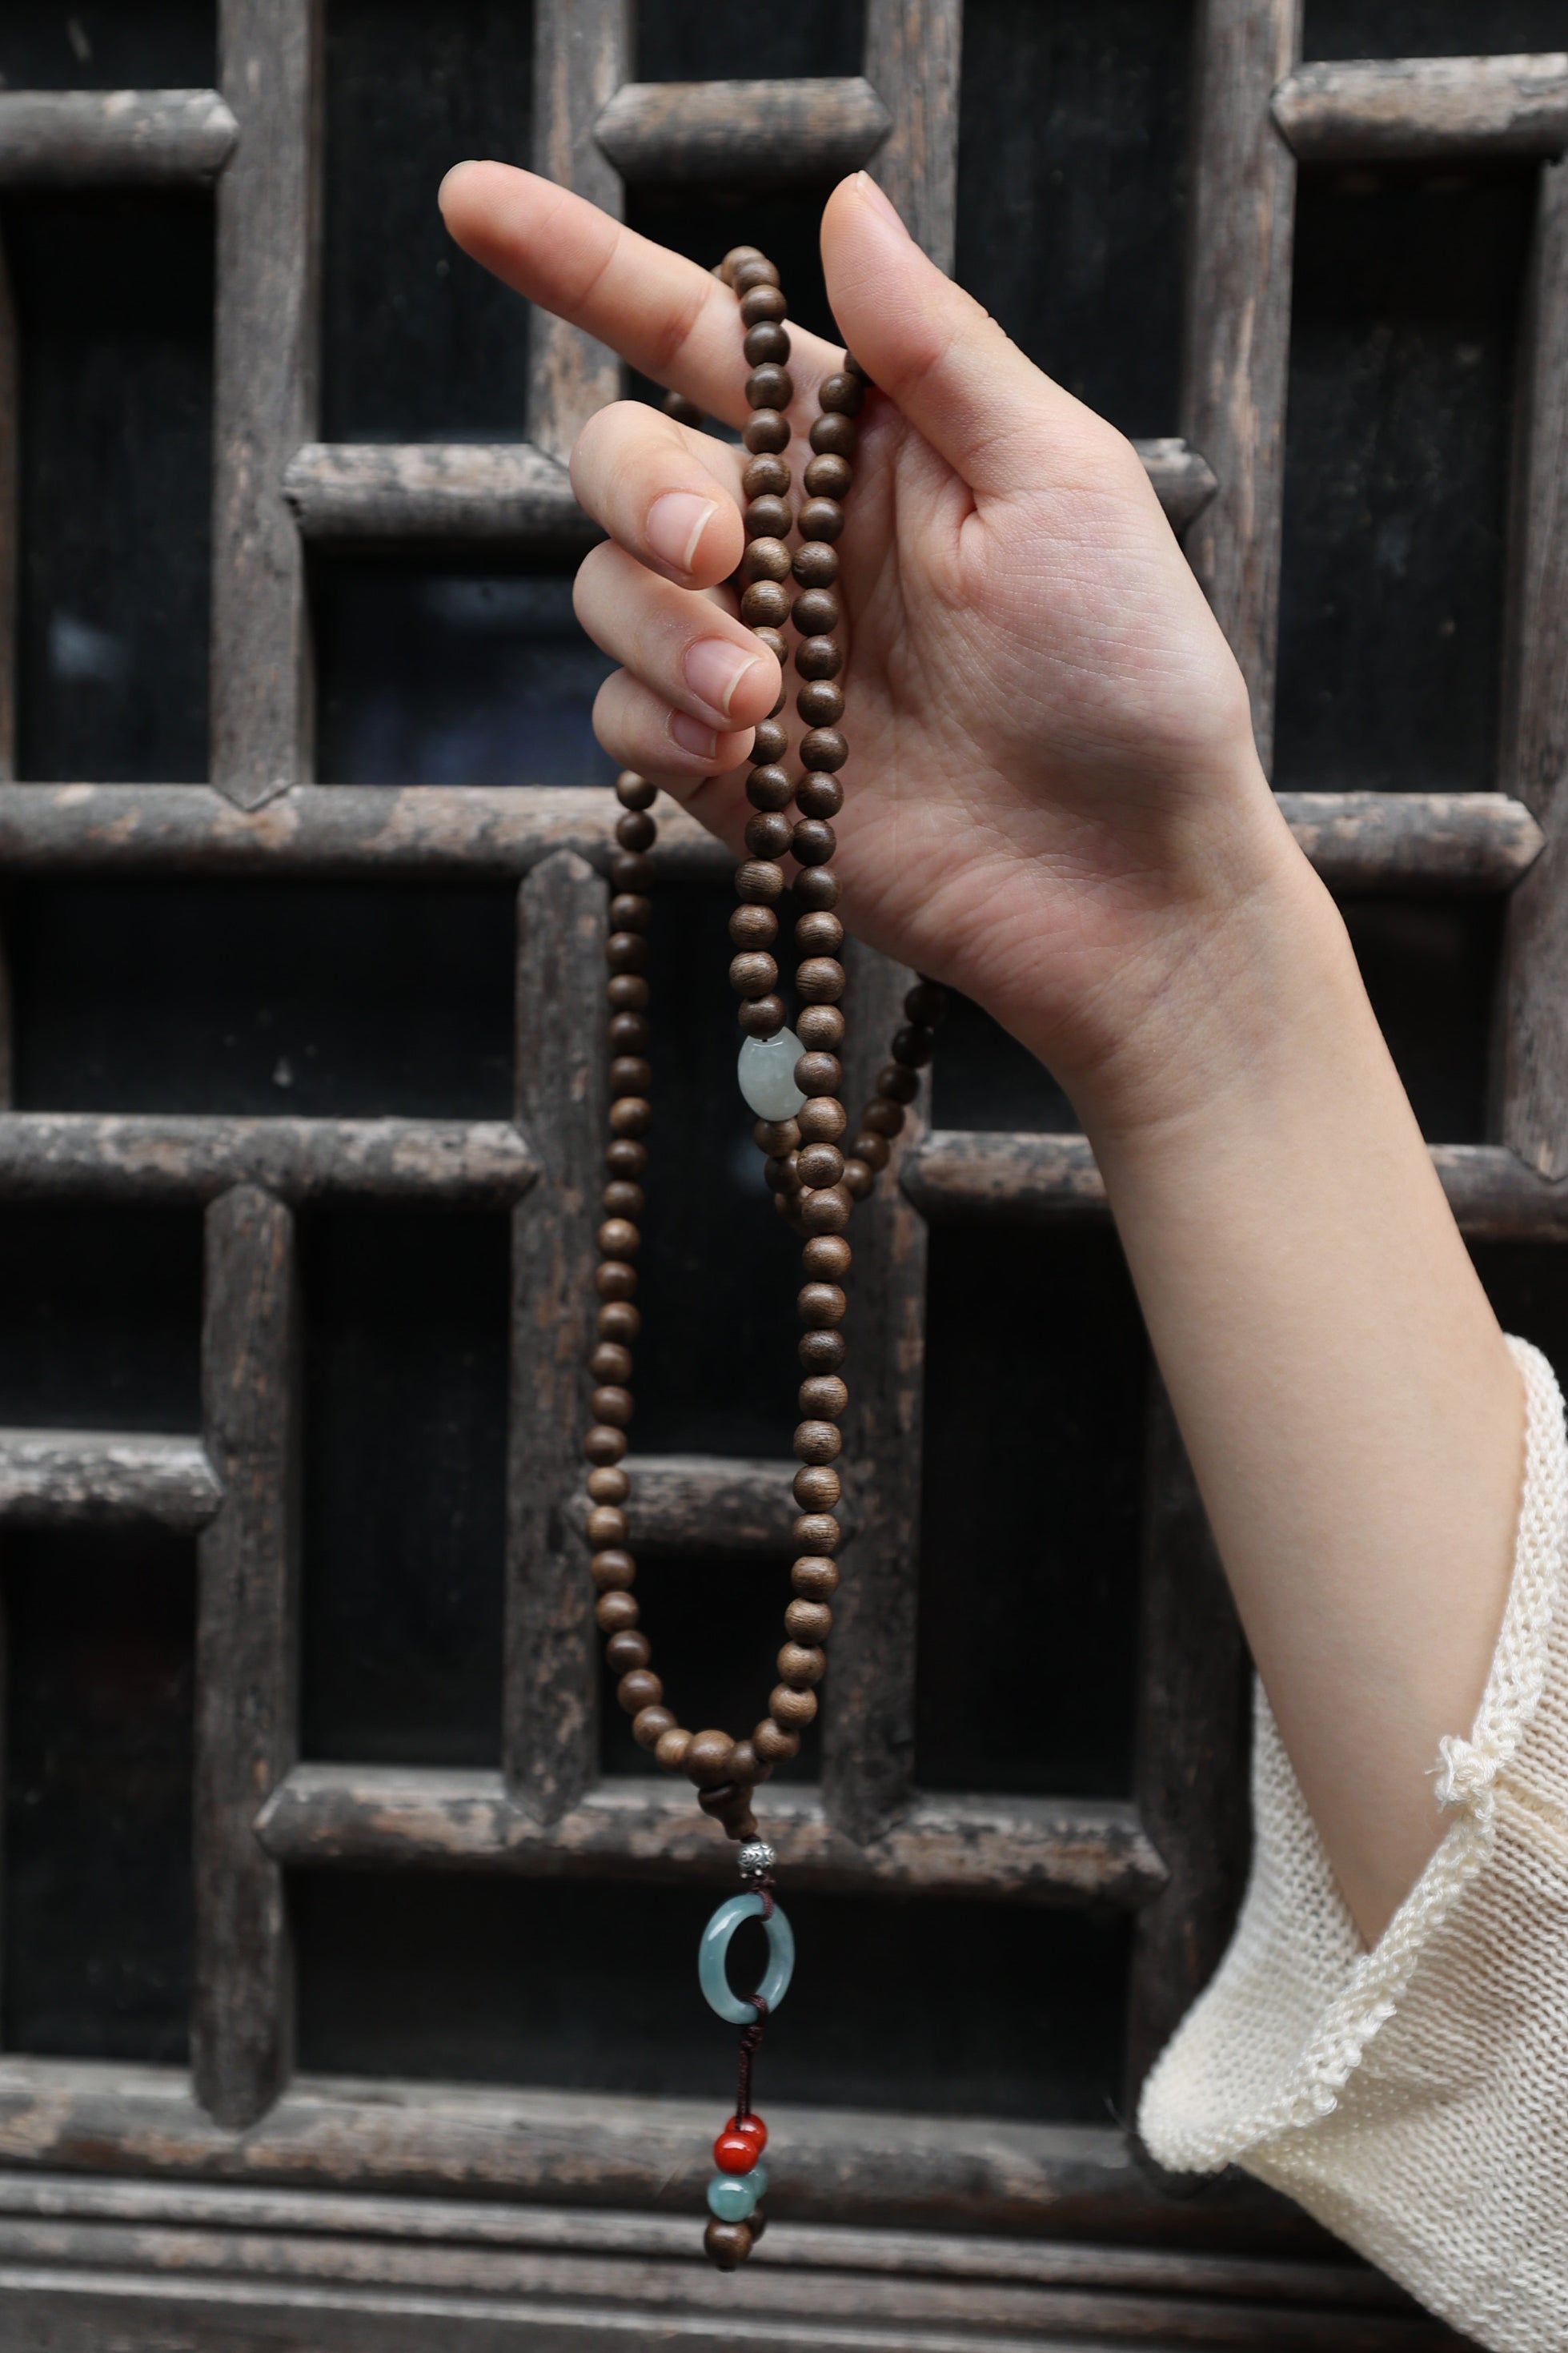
766,1072
733,2196
714,1946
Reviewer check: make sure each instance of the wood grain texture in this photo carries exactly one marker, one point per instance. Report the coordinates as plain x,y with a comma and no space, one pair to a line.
1194,1694
867,1739
247,1565
131,1156
799,133
113,138
264,395
1414,110
698,1504
10,531
1533,1077
580,53
1029,1850
913,60
459,493
550,1692
1238,326
53,1478
1393,843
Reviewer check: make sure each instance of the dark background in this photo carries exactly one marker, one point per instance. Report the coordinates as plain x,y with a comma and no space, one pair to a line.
333,998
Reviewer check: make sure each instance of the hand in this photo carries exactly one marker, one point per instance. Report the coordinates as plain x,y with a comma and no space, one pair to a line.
1053,801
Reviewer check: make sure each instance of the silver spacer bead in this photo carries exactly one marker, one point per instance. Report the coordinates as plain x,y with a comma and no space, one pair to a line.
755,1858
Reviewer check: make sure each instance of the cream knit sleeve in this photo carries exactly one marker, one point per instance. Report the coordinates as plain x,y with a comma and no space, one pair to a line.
1414,2098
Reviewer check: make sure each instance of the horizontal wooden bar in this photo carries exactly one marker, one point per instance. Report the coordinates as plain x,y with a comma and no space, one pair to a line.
1060,1850
788,133
147,1157
1369,842
709,1504
418,493
52,1478
113,138
1416,109
1183,482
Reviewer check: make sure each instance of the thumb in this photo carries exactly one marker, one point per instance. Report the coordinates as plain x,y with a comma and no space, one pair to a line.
926,343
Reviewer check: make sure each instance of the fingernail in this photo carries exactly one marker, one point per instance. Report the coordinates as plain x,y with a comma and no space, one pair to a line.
714,668
674,524
692,736
879,200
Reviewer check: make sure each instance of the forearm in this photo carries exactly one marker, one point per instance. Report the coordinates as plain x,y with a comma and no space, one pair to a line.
1352,1412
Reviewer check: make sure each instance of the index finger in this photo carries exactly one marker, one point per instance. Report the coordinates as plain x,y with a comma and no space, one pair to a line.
664,315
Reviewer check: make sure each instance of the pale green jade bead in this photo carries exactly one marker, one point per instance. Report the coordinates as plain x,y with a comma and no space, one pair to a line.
733,2196
766,1072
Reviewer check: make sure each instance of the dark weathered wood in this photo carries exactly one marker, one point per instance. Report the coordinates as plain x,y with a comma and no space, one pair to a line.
1195,1694
867,1741
550,1707
580,53
1030,1850
264,395
242,2009
1533,1065
50,1477
457,493
913,62
1414,110
711,1502
690,133
1400,843
10,450
1184,482
137,1156
113,138
1238,326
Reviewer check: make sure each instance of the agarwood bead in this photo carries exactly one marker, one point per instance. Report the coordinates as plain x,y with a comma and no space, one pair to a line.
769,387
616,1279
827,475
820,703
823,1397
626,1651
630,1074
853,367
791,1707
821,1119
773,1743
816,612
819,796
625,1156
776,1136
745,1766
754,974
614,1610
841,393
823,748
635,792
820,1027
912,1046
766,477
619,1199
817,1487
925,1003
820,980
631,1115
820,1304
618,1237
725,1800
835,437
818,1074
822,1352
817,1535
806,1622
613,1571
610,1363
815,1577
628,1033
613,1405
708,1758
768,340
759,302
770,785
762,1017
625,951
631,871
768,835
819,1164
685,412
896,1082
780,1175
815,565
650,1724
770,741
620,1320
766,429
764,602
813,843
883,1118
816,1442
778,646
820,888
672,1748
608,1525
759,880
757,2221
859,1179
749,268
608,1483
872,1149
604,1445
765,559
753,927
825,1258
727,2244
820,520
639,1690
818,657
631,911
636,831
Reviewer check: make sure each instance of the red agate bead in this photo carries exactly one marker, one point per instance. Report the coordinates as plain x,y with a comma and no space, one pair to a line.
740,2144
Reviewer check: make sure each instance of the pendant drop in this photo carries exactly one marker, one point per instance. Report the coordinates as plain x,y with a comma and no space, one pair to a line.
735,2191
766,1072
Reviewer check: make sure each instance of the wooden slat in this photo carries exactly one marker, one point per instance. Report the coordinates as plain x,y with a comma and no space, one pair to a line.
1534,1075
912,62
1367,843
264,395
1050,1850
241,2024
133,1156
1184,482
10,529
1238,326
54,1477
789,133
113,138
580,52
550,1706
1415,110
457,493
711,1503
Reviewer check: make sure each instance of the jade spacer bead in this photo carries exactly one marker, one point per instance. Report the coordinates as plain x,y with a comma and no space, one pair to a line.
732,2196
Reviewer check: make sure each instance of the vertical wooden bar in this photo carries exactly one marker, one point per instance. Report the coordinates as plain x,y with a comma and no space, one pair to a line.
246,1653
1193,1719
10,518
1238,326
264,396
1534,1075
580,53
551,1723
913,53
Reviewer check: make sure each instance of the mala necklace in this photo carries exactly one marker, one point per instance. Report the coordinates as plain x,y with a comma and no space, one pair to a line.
791,1078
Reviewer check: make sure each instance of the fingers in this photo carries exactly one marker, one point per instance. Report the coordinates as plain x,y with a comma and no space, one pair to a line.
662,492
640,730
961,382
662,313
697,659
